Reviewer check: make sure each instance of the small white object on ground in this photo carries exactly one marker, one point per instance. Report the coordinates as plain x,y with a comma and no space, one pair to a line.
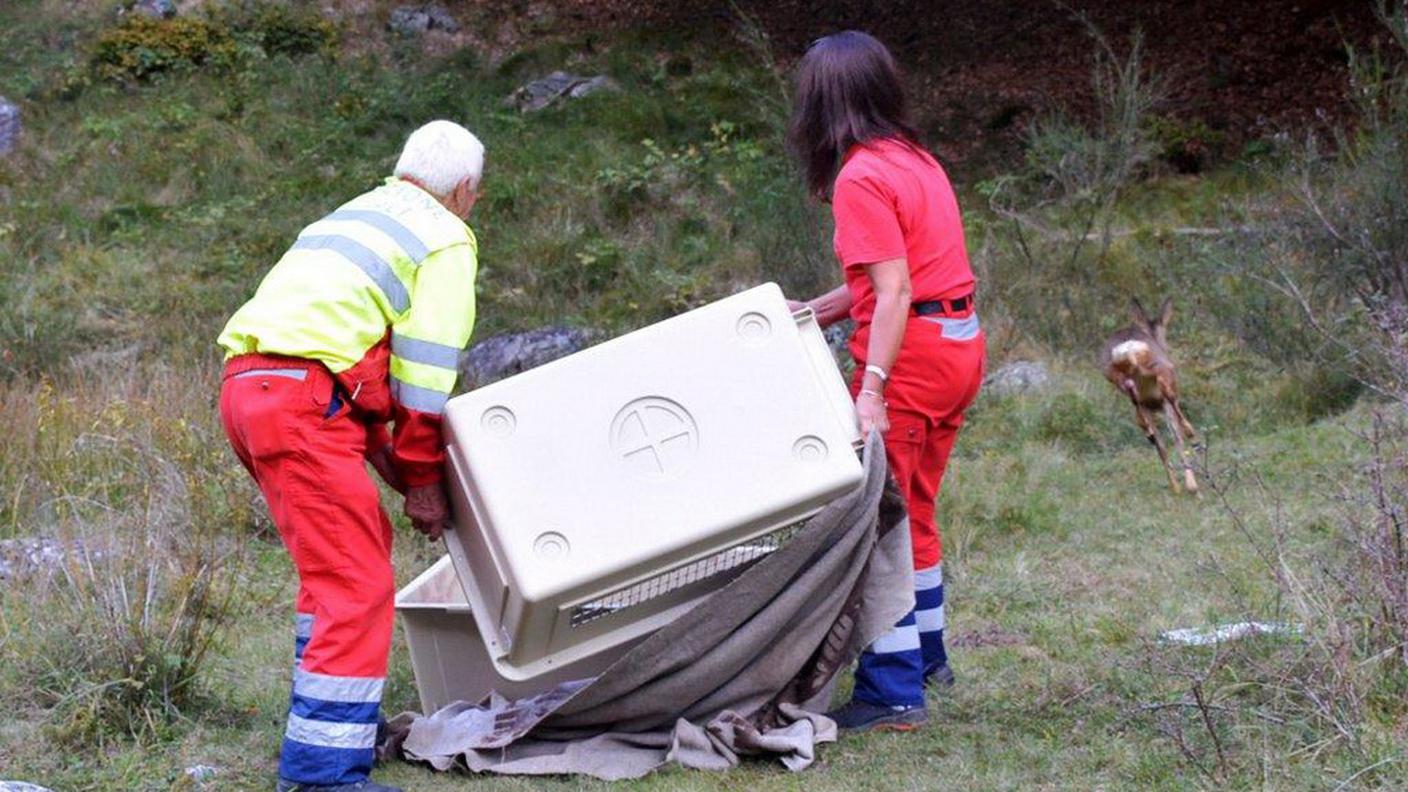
20,786
201,772
1222,633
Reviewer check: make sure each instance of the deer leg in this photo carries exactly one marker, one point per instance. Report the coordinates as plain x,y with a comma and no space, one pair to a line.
1189,434
1175,427
1142,418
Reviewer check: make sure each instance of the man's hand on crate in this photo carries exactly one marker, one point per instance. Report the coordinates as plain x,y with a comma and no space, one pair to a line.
428,509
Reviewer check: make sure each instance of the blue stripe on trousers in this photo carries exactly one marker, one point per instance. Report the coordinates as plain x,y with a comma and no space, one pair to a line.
335,711
313,764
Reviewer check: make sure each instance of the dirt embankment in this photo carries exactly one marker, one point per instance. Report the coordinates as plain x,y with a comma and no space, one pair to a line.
981,69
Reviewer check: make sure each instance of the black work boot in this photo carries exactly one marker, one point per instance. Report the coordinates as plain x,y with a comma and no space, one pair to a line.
360,786
861,716
940,677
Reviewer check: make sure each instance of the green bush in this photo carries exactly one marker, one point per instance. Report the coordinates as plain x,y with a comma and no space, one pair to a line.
280,30
1185,146
142,47
1315,392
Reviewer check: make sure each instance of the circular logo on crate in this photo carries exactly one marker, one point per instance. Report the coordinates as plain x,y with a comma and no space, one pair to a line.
656,438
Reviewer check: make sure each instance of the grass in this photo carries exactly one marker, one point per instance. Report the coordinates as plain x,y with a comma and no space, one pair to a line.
1061,566
136,217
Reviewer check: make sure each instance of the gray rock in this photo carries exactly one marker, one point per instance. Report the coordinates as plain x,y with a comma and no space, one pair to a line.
413,20
156,9
20,786
9,125
513,353
838,337
543,92
1020,376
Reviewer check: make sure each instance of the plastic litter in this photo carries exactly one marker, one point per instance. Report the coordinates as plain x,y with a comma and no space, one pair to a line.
1222,633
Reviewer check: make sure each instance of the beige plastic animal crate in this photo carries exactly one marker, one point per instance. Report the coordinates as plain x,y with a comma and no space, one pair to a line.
448,655
598,497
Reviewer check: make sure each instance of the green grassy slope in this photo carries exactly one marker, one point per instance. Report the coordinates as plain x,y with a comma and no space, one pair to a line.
136,216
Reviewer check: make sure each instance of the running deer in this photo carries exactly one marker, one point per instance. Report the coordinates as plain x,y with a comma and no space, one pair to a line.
1137,363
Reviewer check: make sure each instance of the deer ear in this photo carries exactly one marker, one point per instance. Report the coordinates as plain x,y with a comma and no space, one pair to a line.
1166,312
1137,313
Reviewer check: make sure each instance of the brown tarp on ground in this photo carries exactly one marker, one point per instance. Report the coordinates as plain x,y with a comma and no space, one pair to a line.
748,672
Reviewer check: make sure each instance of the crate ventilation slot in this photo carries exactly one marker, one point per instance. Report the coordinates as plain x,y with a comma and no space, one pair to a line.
734,558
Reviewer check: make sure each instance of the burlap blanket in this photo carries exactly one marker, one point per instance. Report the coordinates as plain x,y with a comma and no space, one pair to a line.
746,673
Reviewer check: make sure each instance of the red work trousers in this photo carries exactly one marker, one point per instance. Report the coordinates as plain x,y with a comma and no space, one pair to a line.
309,461
935,378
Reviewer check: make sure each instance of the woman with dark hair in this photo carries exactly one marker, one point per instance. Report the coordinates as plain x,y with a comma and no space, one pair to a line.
917,344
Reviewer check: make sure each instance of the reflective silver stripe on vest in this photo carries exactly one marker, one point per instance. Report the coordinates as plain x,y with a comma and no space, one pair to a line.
326,734
388,225
417,398
365,259
298,374
356,690
427,352
957,329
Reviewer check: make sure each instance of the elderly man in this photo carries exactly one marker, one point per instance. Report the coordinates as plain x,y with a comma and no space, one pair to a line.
358,324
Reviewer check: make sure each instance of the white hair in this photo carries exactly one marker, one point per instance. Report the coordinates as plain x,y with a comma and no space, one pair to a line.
440,155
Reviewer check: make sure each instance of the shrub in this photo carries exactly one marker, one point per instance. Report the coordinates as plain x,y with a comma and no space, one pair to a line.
1054,267
280,30
1187,147
125,484
142,47
1315,392
1332,252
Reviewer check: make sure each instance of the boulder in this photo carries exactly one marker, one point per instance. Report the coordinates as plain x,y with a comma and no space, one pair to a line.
1017,377
512,353
156,9
543,92
838,337
412,20
9,125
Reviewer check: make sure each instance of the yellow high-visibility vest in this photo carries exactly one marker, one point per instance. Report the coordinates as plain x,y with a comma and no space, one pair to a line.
390,258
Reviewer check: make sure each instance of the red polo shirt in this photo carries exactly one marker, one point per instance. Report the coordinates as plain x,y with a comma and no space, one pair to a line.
892,201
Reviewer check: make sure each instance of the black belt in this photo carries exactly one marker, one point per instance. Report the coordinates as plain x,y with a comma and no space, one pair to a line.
930,307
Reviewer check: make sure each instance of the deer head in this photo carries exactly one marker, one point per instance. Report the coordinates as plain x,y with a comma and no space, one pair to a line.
1156,328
